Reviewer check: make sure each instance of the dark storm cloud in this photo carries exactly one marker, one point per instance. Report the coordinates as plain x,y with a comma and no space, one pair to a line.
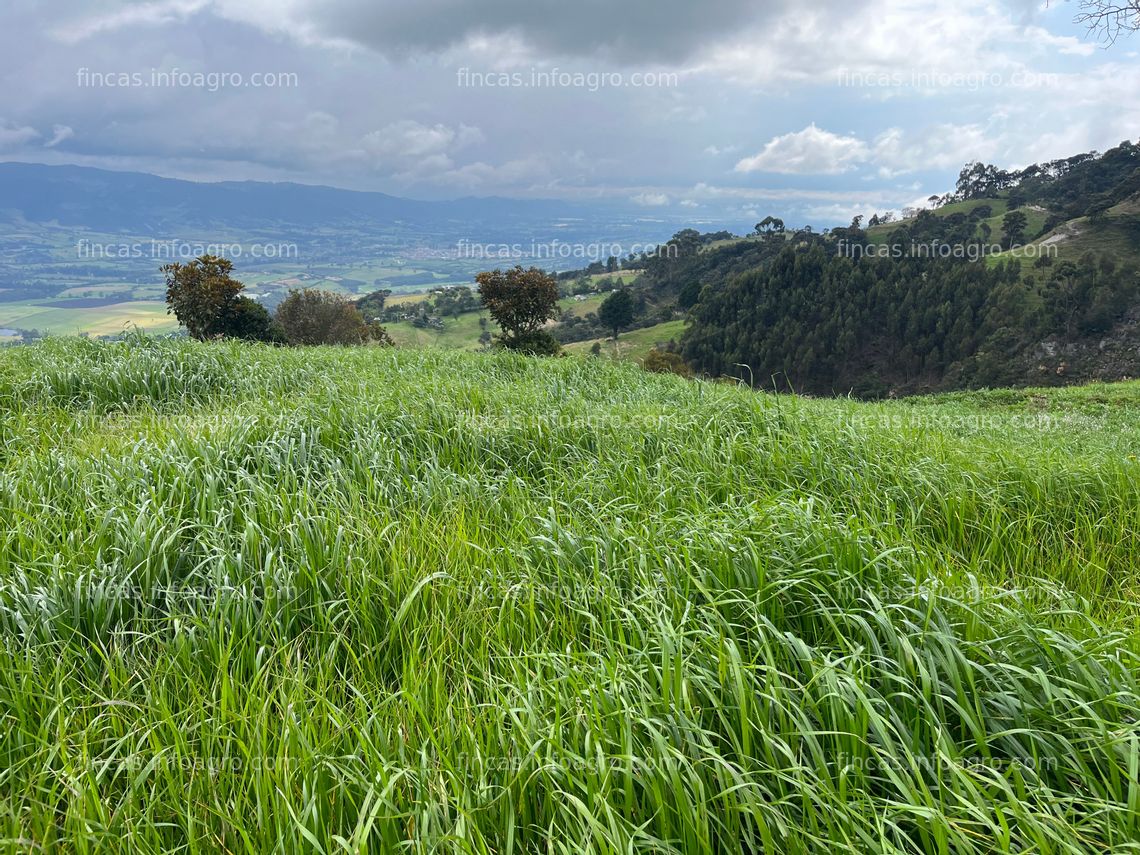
633,30
380,103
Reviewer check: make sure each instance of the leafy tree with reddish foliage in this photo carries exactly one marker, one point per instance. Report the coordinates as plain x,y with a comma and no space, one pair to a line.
201,293
521,302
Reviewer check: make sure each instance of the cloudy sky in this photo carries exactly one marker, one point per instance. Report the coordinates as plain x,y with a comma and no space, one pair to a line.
718,108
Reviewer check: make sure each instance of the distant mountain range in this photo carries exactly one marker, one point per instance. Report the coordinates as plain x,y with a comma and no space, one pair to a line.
81,248
102,200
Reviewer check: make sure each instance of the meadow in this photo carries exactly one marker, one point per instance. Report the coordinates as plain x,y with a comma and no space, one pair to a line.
632,344
460,333
262,600
49,318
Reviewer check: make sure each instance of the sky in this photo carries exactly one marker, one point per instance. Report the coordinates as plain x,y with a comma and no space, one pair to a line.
716,109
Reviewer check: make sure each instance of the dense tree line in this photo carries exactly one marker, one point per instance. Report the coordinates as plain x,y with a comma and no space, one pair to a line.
1082,185
823,324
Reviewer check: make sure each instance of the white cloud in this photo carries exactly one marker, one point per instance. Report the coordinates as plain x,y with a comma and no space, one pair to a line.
136,14
387,114
812,151
60,133
838,213
12,136
411,139
895,152
650,200
943,146
1068,45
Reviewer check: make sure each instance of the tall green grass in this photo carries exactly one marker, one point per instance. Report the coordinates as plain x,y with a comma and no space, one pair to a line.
258,600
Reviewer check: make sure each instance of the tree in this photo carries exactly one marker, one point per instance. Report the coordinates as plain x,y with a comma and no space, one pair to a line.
521,302
312,317
201,293
770,225
372,305
248,319
1013,228
616,311
1109,18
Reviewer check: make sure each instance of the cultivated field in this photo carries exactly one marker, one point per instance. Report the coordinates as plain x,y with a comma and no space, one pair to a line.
50,318
320,600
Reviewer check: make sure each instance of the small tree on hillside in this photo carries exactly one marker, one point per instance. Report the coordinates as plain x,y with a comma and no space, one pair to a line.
201,293
1013,228
312,317
521,302
616,311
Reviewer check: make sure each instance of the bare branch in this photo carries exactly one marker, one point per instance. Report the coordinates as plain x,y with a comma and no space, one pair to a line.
1108,20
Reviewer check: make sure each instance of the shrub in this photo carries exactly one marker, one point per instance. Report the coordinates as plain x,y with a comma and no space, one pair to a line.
666,362
249,320
314,317
540,343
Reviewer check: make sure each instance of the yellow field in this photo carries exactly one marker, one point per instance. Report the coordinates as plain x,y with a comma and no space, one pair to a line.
149,315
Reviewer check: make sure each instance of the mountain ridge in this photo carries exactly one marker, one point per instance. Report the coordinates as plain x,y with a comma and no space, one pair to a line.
100,198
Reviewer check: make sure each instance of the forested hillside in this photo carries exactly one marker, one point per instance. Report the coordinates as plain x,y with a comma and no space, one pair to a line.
1014,278
824,324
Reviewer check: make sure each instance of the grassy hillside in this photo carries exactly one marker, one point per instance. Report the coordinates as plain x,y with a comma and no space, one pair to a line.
1117,237
1035,218
258,600
634,344
582,307
463,332
460,333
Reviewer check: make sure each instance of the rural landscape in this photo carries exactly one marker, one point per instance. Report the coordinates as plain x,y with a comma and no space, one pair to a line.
517,477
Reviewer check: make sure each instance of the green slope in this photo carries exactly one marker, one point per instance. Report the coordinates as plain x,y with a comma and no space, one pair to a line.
271,600
460,333
634,344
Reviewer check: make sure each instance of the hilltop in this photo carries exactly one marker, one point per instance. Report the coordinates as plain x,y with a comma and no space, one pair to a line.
1030,277
1087,203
